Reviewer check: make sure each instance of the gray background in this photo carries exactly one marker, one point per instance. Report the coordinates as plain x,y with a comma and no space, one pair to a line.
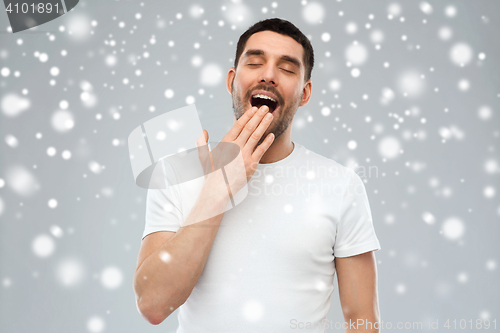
434,202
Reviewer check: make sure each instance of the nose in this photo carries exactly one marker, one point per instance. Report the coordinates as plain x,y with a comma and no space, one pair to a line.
269,76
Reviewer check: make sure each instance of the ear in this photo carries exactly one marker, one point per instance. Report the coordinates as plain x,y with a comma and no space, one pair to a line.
306,93
229,79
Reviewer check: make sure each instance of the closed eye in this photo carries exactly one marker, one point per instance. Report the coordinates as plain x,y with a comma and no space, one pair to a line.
253,64
287,71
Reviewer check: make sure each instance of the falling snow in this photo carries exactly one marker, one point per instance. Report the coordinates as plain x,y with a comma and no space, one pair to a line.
111,277
252,310
70,272
407,88
43,246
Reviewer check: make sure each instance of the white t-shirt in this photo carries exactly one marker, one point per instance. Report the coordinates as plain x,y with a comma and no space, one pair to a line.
271,266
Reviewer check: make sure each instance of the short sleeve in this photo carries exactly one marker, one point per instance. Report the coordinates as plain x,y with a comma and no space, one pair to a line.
162,211
355,231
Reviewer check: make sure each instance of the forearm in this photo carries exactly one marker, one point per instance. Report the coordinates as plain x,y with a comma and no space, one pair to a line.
166,278
369,323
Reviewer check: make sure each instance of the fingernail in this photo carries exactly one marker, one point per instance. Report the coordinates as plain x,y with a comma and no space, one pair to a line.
254,109
268,116
264,108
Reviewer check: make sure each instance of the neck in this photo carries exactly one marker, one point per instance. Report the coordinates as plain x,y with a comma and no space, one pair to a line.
280,148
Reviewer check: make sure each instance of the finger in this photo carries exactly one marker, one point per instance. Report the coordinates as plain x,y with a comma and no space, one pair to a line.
203,152
257,134
209,153
240,124
200,141
205,133
252,125
263,147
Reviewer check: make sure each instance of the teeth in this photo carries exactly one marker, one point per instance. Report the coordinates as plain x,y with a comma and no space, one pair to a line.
264,97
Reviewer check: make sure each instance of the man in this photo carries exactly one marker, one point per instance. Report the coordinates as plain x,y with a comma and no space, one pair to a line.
268,264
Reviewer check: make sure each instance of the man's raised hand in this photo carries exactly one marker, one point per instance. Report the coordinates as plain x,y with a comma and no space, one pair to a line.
246,133
239,166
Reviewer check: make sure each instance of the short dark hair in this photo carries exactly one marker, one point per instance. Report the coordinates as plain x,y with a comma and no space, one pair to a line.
282,27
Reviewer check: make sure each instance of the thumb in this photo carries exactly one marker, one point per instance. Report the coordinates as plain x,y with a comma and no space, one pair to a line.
204,153
203,139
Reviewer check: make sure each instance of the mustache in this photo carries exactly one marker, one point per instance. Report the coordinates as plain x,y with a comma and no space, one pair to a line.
267,88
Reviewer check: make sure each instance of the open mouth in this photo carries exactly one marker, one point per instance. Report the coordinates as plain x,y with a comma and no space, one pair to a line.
259,99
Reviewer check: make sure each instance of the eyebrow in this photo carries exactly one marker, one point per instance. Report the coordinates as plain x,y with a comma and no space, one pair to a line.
287,58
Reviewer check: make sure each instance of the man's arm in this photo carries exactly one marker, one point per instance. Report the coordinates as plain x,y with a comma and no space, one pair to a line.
166,277
357,278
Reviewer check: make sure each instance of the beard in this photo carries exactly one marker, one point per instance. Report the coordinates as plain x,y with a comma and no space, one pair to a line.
281,120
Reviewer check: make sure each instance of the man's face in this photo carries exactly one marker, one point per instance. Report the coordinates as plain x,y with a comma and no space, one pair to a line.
270,71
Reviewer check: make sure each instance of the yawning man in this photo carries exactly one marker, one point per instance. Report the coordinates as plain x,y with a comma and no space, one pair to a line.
268,264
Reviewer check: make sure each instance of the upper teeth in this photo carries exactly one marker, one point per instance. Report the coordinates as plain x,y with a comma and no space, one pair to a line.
263,96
